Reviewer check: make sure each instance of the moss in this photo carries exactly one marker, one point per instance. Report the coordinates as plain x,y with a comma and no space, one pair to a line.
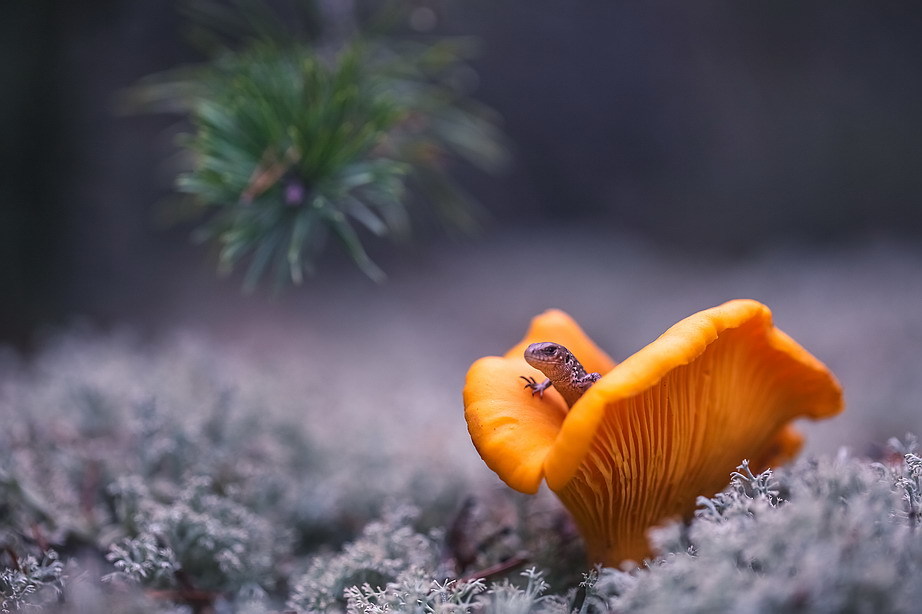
214,482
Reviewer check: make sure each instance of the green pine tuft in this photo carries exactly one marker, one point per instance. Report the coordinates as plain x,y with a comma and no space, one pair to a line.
290,145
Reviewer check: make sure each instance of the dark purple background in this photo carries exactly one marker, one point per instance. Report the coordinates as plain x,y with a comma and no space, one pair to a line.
710,127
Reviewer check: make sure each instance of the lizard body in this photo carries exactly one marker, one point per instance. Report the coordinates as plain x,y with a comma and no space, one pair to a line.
562,369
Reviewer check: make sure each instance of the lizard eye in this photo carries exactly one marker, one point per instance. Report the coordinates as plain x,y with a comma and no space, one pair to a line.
550,350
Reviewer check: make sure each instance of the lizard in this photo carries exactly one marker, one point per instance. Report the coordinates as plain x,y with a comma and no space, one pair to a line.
562,369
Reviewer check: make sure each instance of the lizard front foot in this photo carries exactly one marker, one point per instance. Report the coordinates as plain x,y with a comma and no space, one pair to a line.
536,388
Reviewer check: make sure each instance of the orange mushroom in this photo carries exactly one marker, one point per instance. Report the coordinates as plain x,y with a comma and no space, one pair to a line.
656,431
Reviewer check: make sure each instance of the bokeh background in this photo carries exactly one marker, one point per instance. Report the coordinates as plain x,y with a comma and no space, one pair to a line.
667,156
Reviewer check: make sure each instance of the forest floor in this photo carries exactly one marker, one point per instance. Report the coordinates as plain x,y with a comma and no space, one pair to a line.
278,427
401,349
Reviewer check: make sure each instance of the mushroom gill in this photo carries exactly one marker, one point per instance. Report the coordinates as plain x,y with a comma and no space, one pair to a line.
656,431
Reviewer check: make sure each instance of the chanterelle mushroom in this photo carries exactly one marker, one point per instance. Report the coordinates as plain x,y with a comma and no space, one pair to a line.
656,431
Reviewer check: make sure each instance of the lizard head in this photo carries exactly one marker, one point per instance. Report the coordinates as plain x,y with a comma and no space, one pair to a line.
545,353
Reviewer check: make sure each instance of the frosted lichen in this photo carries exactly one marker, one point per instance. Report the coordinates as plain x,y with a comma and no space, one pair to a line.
831,535
210,483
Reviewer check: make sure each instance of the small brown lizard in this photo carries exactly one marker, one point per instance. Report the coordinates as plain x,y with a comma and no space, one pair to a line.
562,369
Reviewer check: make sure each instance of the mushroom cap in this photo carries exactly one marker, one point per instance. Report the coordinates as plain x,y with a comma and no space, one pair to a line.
656,431
727,361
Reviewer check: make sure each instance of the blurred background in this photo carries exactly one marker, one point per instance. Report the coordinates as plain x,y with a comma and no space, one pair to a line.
665,157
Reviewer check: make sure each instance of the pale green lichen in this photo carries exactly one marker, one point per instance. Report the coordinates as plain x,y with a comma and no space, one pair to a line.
31,582
188,470
830,535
